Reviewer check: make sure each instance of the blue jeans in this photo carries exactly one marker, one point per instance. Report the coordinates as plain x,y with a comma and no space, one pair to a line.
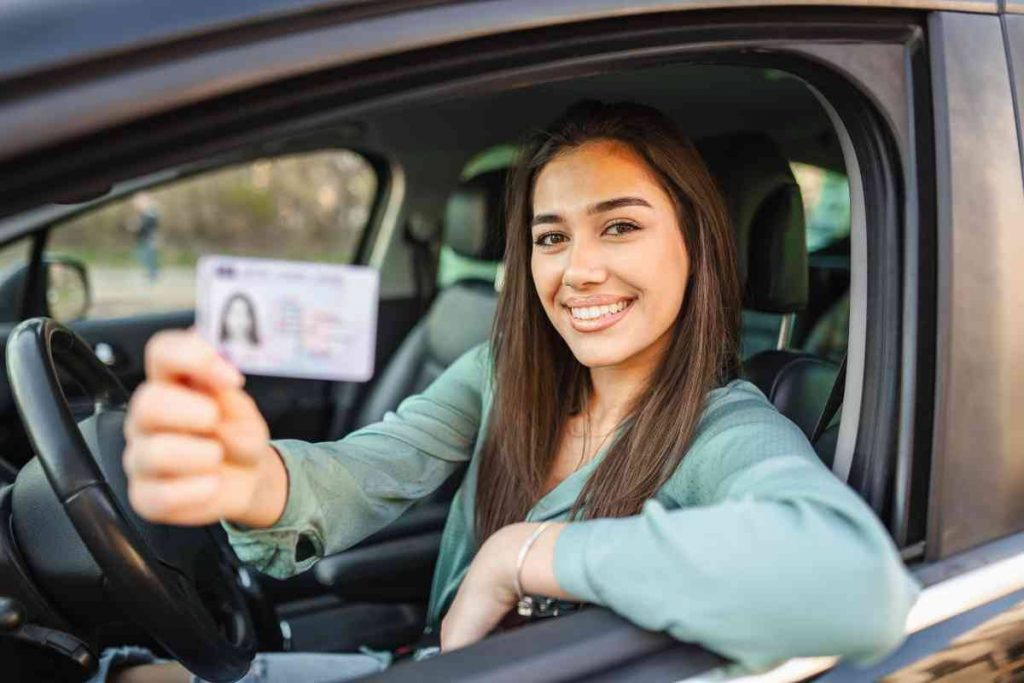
146,253
267,667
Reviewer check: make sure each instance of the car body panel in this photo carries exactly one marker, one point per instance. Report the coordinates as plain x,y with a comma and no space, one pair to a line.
37,35
92,96
979,436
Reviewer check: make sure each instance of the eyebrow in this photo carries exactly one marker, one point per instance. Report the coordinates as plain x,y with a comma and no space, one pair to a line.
599,207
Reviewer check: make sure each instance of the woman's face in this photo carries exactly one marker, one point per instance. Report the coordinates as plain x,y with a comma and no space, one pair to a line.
609,262
237,321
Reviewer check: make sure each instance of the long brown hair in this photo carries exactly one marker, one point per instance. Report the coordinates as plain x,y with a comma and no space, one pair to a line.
539,383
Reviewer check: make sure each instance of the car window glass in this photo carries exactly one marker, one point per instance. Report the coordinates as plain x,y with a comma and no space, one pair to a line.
826,196
14,254
824,327
140,252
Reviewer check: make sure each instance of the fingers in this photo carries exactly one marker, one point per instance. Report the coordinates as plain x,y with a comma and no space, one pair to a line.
175,355
238,406
168,454
182,500
192,434
476,610
165,406
242,427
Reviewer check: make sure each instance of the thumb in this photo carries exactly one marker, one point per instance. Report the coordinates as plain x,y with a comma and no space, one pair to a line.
242,429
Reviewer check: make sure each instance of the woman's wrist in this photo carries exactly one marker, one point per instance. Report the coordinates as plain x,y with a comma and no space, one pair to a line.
537,571
270,492
521,557
488,593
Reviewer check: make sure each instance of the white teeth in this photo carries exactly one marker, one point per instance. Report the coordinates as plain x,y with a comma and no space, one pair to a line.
593,312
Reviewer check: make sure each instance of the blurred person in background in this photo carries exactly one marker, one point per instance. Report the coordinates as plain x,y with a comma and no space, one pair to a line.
143,225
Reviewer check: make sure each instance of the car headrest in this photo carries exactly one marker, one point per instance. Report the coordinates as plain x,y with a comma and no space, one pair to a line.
474,219
767,214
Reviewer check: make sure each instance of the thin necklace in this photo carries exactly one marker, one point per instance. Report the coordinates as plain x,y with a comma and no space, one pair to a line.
586,438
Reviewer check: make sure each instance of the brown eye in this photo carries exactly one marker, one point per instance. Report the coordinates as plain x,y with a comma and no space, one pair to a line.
621,228
549,239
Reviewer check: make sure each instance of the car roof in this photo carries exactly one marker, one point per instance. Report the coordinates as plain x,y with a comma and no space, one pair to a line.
41,35
37,35
705,100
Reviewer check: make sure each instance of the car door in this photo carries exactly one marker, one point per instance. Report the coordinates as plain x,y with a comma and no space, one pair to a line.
968,623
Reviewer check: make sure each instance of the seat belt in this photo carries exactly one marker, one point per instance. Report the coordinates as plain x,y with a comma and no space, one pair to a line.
835,399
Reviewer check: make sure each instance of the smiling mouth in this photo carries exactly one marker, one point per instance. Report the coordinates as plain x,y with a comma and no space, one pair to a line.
589,313
597,318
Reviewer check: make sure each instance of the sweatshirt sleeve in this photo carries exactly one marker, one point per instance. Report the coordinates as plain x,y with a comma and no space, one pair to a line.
341,492
771,556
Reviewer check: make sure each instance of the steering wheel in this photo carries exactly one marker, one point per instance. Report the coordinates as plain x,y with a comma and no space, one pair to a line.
182,585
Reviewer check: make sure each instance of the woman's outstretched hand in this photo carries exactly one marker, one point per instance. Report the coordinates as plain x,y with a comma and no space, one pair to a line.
488,592
197,447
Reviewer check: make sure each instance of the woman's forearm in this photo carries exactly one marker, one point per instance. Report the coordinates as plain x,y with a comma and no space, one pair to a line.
271,493
756,580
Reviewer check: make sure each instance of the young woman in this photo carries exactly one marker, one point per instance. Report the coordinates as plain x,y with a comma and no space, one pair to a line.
611,447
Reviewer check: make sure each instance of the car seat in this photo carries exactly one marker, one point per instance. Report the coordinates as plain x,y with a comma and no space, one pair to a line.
766,209
461,314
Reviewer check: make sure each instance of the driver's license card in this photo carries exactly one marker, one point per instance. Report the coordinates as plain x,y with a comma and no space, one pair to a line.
289,318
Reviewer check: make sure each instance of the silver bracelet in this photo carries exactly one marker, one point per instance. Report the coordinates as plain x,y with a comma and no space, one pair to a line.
524,603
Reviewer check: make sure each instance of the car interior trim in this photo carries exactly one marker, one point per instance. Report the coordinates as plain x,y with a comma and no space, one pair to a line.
390,217
882,188
785,331
855,350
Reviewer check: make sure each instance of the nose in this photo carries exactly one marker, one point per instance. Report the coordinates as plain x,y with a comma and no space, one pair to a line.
584,265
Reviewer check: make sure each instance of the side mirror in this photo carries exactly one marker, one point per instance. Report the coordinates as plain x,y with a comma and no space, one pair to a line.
68,296
67,288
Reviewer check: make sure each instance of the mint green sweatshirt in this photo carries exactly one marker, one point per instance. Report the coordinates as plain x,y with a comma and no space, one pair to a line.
752,548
